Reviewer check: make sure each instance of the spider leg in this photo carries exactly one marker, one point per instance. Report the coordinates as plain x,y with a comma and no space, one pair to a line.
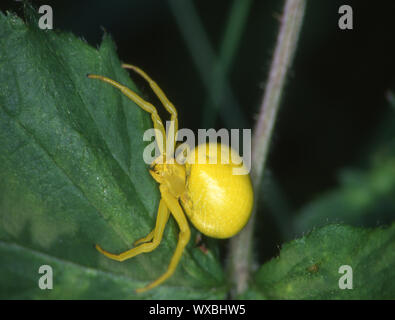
183,238
160,221
157,234
159,93
147,238
145,105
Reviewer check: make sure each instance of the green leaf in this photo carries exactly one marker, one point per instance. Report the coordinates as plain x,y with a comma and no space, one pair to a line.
72,175
308,268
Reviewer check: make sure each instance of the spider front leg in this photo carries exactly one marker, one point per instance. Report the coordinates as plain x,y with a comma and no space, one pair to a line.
157,234
145,105
158,91
183,237
162,97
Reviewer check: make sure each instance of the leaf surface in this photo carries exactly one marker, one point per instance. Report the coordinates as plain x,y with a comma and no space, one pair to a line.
72,175
308,268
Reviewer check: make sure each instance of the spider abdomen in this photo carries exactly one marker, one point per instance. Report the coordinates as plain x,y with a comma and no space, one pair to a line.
217,201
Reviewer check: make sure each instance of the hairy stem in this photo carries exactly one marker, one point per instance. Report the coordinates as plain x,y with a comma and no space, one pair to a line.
290,25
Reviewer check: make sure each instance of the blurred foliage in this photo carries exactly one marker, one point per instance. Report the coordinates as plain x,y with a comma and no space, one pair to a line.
365,197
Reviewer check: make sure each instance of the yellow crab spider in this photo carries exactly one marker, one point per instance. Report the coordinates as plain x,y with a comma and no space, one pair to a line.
216,201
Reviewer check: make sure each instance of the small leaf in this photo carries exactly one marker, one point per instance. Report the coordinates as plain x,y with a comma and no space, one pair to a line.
308,268
72,175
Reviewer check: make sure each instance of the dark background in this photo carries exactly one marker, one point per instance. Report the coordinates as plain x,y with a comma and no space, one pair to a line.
336,94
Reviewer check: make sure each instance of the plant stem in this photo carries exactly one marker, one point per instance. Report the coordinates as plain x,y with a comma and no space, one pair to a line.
241,246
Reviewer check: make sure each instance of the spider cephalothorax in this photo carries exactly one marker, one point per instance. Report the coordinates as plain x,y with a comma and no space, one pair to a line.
171,176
